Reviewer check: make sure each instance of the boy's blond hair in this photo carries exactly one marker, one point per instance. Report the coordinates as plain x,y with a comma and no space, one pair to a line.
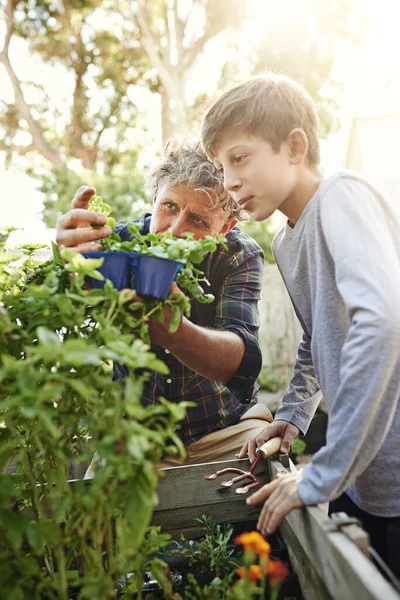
268,105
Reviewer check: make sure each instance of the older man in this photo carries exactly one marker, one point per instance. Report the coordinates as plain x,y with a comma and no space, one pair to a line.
214,357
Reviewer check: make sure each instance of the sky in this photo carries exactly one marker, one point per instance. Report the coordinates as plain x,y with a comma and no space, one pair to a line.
370,78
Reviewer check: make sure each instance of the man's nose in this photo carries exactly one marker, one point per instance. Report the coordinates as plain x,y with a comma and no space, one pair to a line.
178,226
231,181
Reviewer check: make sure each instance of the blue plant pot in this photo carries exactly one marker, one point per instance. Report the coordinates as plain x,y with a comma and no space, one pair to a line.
117,267
153,276
149,275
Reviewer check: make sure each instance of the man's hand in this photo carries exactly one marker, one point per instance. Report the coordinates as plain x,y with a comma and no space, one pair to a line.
282,429
281,498
74,229
159,332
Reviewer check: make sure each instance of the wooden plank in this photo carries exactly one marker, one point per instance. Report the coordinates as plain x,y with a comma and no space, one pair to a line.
312,585
185,495
344,569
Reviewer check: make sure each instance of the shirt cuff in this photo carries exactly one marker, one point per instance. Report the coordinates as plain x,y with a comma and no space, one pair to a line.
250,366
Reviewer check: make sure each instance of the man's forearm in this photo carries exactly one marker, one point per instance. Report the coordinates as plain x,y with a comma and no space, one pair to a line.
212,353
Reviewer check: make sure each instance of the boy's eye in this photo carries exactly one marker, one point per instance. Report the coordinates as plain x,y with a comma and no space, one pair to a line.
239,158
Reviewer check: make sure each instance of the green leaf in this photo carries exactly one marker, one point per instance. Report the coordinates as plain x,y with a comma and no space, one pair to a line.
139,507
175,319
56,254
48,338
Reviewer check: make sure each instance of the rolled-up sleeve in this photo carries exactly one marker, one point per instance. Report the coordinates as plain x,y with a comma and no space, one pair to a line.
237,311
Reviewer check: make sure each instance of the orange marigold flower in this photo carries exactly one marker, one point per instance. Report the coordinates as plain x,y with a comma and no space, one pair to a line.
241,571
262,548
252,540
254,572
276,571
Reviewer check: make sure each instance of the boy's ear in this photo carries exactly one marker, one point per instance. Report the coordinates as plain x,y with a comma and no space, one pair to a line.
230,224
298,146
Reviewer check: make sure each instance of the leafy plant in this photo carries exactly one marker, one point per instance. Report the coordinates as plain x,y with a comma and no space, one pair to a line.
212,556
222,571
58,404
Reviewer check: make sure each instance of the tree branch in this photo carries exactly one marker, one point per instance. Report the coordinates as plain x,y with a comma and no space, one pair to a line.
179,33
38,139
151,51
22,150
10,8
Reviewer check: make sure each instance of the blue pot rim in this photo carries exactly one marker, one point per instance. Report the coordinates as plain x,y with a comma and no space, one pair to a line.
130,254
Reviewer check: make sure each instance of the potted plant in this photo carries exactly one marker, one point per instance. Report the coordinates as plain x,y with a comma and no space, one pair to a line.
150,263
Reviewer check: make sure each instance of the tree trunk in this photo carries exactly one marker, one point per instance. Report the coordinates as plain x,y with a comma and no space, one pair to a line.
174,119
38,139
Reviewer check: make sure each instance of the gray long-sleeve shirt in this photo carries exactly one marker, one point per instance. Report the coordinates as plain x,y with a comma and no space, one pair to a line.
341,266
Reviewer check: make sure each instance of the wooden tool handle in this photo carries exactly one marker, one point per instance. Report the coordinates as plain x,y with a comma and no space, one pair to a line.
269,448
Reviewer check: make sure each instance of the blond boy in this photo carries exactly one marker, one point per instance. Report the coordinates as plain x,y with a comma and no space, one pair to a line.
339,256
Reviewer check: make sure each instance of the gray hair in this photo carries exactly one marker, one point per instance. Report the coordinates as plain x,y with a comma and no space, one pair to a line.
185,162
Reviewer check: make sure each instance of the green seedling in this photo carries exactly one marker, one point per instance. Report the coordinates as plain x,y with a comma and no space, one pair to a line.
97,205
187,250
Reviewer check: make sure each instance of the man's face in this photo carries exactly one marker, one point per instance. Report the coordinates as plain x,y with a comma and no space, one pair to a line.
260,180
180,208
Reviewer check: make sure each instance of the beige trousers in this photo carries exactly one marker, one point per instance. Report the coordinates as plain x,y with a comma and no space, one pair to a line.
218,445
224,443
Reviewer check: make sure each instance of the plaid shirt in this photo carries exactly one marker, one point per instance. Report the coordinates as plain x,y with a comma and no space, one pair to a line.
235,278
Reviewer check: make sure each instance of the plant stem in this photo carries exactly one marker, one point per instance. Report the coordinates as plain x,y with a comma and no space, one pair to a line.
62,574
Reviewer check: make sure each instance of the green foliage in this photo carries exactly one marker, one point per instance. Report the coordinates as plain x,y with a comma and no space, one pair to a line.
186,250
262,233
58,404
217,589
271,379
212,556
212,561
298,446
95,134
124,189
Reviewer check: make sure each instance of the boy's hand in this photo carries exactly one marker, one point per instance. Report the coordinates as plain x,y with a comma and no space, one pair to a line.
74,229
282,429
281,497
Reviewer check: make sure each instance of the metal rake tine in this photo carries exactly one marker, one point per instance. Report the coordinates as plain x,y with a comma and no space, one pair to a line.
230,482
222,472
247,488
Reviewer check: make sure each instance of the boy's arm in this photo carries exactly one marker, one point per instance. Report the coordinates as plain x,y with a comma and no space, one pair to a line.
303,395
361,234
299,404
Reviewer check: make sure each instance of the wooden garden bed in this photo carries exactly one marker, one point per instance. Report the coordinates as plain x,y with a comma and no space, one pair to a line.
331,563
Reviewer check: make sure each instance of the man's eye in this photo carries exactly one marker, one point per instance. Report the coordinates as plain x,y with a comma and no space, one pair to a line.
198,220
170,205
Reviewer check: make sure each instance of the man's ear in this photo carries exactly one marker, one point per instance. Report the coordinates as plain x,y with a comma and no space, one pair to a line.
155,195
230,224
298,146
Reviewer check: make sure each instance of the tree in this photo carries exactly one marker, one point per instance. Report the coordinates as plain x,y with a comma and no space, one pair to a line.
95,135
109,50
173,35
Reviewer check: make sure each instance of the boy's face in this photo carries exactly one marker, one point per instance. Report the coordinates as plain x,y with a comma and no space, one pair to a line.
259,179
180,208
